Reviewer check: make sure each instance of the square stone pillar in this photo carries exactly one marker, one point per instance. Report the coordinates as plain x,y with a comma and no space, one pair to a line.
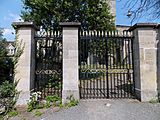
145,60
70,60
25,69
158,60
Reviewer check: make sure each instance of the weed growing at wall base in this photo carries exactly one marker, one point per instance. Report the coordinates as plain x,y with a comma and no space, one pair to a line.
155,100
72,102
34,102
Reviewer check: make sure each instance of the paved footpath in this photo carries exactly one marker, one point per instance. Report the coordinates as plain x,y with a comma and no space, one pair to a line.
106,110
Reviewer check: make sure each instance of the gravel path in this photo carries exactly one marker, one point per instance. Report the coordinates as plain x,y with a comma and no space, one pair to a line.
106,110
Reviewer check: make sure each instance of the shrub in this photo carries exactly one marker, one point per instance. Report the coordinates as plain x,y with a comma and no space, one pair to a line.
8,92
8,95
8,89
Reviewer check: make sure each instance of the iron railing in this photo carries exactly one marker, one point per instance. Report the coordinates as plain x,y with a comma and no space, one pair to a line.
106,65
48,73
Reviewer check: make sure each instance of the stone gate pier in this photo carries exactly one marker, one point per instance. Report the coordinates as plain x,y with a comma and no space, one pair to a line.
146,60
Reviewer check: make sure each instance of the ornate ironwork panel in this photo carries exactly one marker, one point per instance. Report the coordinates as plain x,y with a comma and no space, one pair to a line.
106,65
48,75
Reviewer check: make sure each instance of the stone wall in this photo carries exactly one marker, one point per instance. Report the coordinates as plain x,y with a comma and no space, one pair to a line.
146,51
158,63
145,60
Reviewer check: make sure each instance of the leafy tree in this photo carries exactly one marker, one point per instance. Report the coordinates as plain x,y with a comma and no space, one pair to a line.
5,62
8,92
93,14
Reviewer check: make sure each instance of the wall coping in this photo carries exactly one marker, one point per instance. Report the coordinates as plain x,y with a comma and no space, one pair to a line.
144,25
24,24
70,24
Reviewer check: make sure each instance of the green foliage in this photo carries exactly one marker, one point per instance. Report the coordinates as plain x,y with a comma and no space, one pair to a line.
6,63
38,113
12,113
53,100
8,89
31,105
1,117
54,81
8,95
47,104
8,92
57,101
72,102
155,100
34,102
93,14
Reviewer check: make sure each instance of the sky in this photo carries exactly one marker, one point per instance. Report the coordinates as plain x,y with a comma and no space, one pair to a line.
10,11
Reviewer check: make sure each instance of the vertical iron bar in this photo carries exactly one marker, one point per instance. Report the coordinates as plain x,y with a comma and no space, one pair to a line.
106,40
86,67
99,66
121,84
97,40
80,76
61,58
133,75
118,84
103,62
117,65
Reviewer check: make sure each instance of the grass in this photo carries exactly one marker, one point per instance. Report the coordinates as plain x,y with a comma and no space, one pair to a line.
1,117
72,102
38,113
12,113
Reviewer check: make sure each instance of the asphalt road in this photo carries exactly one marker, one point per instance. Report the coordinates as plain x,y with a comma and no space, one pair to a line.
122,109
107,110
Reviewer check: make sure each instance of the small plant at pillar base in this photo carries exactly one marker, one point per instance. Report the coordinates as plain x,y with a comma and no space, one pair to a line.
34,102
38,113
53,100
155,100
72,102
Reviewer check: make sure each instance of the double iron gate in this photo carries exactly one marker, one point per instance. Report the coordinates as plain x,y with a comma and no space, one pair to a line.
106,65
48,76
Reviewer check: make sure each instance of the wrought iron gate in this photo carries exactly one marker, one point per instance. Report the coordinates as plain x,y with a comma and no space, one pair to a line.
48,75
106,65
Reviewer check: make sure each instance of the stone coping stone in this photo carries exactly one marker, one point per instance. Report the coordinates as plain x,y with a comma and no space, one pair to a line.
143,25
24,24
